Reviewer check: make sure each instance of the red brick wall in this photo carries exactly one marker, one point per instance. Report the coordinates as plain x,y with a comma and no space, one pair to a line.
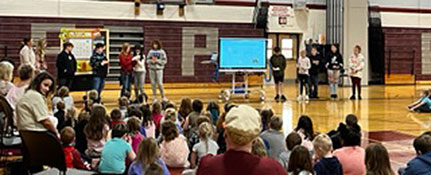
13,29
403,51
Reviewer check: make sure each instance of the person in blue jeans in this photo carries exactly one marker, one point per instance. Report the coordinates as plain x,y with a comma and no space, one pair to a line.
99,63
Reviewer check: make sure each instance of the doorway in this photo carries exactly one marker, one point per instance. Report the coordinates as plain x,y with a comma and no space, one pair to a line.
289,45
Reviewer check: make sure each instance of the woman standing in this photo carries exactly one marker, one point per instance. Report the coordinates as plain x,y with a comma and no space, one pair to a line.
26,53
156,63
126,68
32,110
356,65
334,64
139,70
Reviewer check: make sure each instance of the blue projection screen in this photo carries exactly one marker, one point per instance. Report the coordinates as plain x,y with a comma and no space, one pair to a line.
242,53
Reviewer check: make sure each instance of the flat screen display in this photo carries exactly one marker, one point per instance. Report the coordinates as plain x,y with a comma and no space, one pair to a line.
242,53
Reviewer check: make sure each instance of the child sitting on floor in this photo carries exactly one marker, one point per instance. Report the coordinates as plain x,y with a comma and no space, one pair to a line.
116,117
123,105
292,140
147,160
423,104
205,146
148,127
134,124
173,149
73,157
326,162
116,151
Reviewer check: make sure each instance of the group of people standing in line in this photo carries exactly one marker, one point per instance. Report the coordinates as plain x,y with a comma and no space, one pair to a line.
308,72
132,64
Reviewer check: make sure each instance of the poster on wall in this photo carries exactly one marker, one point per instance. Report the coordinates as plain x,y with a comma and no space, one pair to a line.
84,41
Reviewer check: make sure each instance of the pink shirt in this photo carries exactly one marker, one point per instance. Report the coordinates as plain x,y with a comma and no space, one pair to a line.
175,152
14,94
150,130
136,139
97,145
352,158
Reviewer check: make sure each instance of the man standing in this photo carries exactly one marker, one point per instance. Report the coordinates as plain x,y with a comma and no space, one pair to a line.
66,66
243,125
314,72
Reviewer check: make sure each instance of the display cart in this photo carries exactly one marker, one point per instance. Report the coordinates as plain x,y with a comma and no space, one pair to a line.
242,88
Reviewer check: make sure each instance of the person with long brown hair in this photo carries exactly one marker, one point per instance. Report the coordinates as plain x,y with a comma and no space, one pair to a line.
156,62
185,109
148,158
32,109
126,68
173,149
377,160
96,131
139,70
300,162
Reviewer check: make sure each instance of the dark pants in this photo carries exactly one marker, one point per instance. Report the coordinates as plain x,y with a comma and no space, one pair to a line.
65,82
304,81
356,83
423,108
314,85
126,82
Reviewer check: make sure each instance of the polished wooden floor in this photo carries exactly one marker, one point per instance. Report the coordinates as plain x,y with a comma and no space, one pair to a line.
382,111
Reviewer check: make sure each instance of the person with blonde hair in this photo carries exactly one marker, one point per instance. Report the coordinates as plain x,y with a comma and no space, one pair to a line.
126,68
242,126
205,146
6,76
258,148
26,74
148,159
326,162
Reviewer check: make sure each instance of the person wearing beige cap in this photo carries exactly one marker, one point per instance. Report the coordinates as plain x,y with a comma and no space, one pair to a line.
242,126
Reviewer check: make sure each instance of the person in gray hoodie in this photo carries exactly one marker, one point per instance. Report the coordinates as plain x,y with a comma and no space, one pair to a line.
156,62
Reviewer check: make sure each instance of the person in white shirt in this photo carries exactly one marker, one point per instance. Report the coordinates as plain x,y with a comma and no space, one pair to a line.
356,66
139,70
304,78
26,53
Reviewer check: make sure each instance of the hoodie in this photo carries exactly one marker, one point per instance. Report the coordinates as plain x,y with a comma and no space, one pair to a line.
420,165
328,166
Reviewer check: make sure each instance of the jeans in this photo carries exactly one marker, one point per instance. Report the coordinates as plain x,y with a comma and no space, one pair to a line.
333,77
216,72
126,81
304,81
139,83
65,82
314,85
156,79
99,84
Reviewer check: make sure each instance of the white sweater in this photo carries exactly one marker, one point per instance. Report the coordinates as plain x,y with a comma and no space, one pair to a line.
356,65
27,56
304,65
140,65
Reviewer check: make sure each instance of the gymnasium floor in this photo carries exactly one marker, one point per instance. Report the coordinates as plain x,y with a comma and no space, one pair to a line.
382,112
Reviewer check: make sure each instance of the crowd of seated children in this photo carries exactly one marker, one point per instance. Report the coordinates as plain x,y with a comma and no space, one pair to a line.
62,95
133,129
423,104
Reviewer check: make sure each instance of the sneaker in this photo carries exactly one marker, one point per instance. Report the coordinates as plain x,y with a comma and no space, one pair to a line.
335,96
277,97
299,98
306,98
283,98
359,97
352,97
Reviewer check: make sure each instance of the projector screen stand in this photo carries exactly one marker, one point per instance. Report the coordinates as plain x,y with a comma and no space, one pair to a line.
242,88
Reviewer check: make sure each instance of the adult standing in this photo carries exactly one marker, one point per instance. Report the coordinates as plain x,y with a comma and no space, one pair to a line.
32,109
242,127
66,66
126,68
99,63
334,64
26,53
314,72
356,66
139,70
157,60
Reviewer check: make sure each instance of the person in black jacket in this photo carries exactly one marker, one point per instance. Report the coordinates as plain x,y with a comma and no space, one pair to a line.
66,66
99,63
314,72
334,64
278,63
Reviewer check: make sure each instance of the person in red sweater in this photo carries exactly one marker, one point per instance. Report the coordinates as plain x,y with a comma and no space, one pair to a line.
116,117
242,126
126,68
73,157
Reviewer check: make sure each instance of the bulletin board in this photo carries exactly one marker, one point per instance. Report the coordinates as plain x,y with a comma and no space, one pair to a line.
84,41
